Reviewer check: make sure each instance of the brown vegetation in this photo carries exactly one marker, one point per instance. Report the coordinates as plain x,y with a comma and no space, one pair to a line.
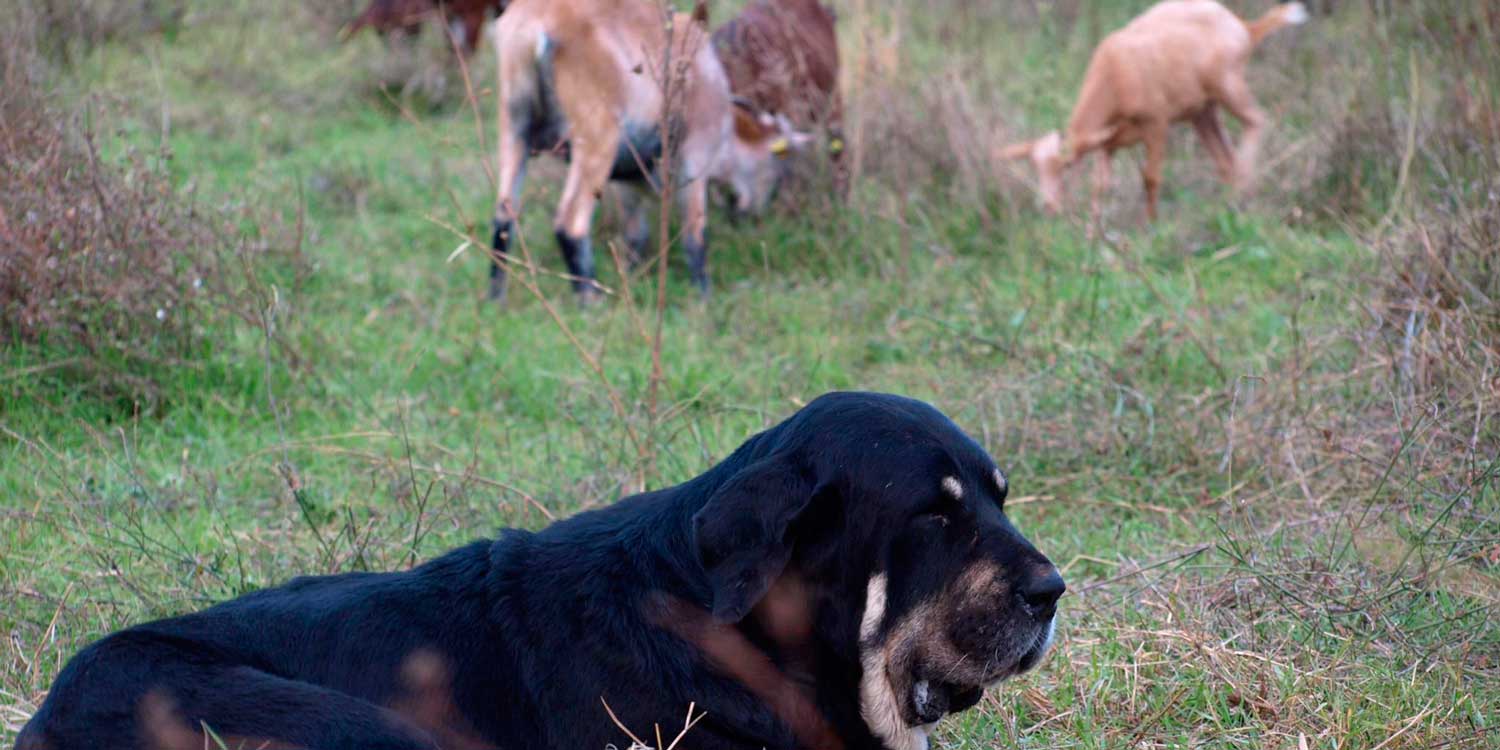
102,256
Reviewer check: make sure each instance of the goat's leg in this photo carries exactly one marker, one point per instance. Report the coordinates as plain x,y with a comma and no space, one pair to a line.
1102,176
1215,142
637,222
511,179
1155,139
472,21
1242,105
695,230
587,175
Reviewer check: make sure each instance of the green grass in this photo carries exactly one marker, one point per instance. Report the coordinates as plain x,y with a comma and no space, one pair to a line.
1145,394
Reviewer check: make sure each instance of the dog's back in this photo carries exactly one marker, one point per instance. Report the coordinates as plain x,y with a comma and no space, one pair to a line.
33,736
325,647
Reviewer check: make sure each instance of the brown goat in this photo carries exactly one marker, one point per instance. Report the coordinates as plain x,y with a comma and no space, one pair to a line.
465,17
1180,60
782,56
598,79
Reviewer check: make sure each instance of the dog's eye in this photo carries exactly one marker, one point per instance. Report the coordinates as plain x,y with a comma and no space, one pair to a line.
936,519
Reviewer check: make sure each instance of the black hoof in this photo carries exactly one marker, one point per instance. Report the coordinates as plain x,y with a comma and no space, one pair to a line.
589,296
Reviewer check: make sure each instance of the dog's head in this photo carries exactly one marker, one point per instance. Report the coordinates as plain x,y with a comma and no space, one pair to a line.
896,518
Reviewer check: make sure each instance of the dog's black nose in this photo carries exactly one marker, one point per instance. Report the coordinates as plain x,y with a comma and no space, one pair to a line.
1042,591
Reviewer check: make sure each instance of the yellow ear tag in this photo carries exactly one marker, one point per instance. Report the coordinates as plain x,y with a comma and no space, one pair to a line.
836,146
779,146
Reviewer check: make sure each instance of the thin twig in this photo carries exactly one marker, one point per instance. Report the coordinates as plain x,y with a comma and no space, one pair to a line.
1200,549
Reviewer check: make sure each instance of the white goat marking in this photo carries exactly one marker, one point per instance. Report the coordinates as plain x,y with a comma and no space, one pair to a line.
952,487
1001,483
1296,13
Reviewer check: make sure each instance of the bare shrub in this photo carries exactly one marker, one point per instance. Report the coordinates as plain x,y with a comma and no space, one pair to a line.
1355,168
1438,302
331,16
419,73
937,144
1403,126
105,267
1370,449
66,28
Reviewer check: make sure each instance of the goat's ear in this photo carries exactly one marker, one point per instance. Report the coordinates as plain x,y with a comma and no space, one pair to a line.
790,141
801,139
750,129
1018,150
741,533
796,139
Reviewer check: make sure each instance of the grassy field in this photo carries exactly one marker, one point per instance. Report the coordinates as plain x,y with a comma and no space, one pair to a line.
1259,437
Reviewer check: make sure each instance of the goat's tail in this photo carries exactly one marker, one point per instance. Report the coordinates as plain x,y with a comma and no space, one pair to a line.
1285,14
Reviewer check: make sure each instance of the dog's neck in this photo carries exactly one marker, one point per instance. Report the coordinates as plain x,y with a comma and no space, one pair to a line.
773,653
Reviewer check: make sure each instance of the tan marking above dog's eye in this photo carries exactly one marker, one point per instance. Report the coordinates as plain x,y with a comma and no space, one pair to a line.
953,488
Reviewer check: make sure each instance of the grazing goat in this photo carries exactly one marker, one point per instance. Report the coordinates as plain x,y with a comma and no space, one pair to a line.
782,56
602,81
1180,60
465,17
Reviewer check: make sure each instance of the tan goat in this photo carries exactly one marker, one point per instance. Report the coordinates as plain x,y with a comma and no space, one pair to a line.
1180,60
593,79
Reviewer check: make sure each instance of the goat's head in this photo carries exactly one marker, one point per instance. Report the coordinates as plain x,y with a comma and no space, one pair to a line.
758,156
1046,154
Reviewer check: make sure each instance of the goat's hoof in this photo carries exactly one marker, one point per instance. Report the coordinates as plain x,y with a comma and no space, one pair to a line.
588,297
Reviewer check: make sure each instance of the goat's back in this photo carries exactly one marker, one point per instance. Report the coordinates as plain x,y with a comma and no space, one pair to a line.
782,55
1172,58
618,65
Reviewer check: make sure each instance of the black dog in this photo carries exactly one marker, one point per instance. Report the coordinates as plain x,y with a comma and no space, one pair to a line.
843,580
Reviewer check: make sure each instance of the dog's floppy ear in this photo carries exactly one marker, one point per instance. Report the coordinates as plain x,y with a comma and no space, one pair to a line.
740,533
